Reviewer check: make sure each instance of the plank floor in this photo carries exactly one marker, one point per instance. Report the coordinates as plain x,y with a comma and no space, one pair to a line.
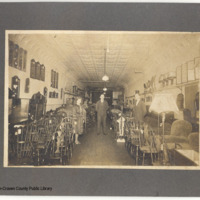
100,150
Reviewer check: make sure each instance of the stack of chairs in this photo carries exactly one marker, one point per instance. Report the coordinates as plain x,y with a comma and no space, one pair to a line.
129,130
41,143
21,139
63,138
48,139
62,141
141,143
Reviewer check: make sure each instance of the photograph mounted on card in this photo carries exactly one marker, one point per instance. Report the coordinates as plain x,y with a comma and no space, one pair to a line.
121,107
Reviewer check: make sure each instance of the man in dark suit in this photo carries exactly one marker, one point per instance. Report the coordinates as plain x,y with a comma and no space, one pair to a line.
140,109
140,112
101,108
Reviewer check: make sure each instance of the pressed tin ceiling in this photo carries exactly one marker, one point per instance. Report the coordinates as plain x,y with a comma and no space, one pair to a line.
128,54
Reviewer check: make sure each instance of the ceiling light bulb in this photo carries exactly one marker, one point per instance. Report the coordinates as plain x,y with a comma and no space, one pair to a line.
105,78
105,89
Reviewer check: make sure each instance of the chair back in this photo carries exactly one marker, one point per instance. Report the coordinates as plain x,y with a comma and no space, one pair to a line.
181,128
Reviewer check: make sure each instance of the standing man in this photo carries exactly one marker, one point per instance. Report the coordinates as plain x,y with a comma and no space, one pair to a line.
78,111
101,108
140,112
140,109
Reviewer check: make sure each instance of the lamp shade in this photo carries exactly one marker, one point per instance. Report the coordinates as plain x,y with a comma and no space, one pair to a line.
163,102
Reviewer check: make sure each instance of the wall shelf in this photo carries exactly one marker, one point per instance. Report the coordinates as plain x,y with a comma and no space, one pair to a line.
173,86
71,93
169,87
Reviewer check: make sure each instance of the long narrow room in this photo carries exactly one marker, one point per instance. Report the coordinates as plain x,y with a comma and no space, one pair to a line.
101,99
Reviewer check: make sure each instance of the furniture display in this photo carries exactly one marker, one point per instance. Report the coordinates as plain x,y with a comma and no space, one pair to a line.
193,140
162,104
46,139
37,106
180,131
141,142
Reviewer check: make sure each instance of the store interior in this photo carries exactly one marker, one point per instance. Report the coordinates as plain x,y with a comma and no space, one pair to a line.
55,81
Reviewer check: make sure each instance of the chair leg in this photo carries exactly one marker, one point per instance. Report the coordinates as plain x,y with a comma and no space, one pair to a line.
143,158
151,158
137,155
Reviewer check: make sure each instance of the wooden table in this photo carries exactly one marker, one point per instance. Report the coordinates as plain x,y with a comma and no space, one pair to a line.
183,157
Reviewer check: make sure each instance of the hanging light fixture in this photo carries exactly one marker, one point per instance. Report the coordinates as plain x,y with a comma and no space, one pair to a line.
105,89
105,77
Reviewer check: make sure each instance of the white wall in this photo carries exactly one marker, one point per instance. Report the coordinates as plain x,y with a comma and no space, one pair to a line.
65,79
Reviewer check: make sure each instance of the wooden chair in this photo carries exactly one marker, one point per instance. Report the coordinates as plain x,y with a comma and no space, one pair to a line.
152,147
20,133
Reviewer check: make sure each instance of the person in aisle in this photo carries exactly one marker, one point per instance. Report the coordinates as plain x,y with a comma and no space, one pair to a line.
85,108
79,118
140,109
140,112
101,108
85,104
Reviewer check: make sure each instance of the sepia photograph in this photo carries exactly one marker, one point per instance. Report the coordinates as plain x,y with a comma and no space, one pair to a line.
102,99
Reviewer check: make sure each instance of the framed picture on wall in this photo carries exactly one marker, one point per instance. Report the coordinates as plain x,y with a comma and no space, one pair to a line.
184,73
52,78
191,72
32,70
61,93
57,80
24,60
197,67
42,72
21,55
38,72
16,56
11,53
178,75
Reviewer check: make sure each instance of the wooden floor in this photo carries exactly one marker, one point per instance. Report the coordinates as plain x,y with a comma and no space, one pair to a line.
100,150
